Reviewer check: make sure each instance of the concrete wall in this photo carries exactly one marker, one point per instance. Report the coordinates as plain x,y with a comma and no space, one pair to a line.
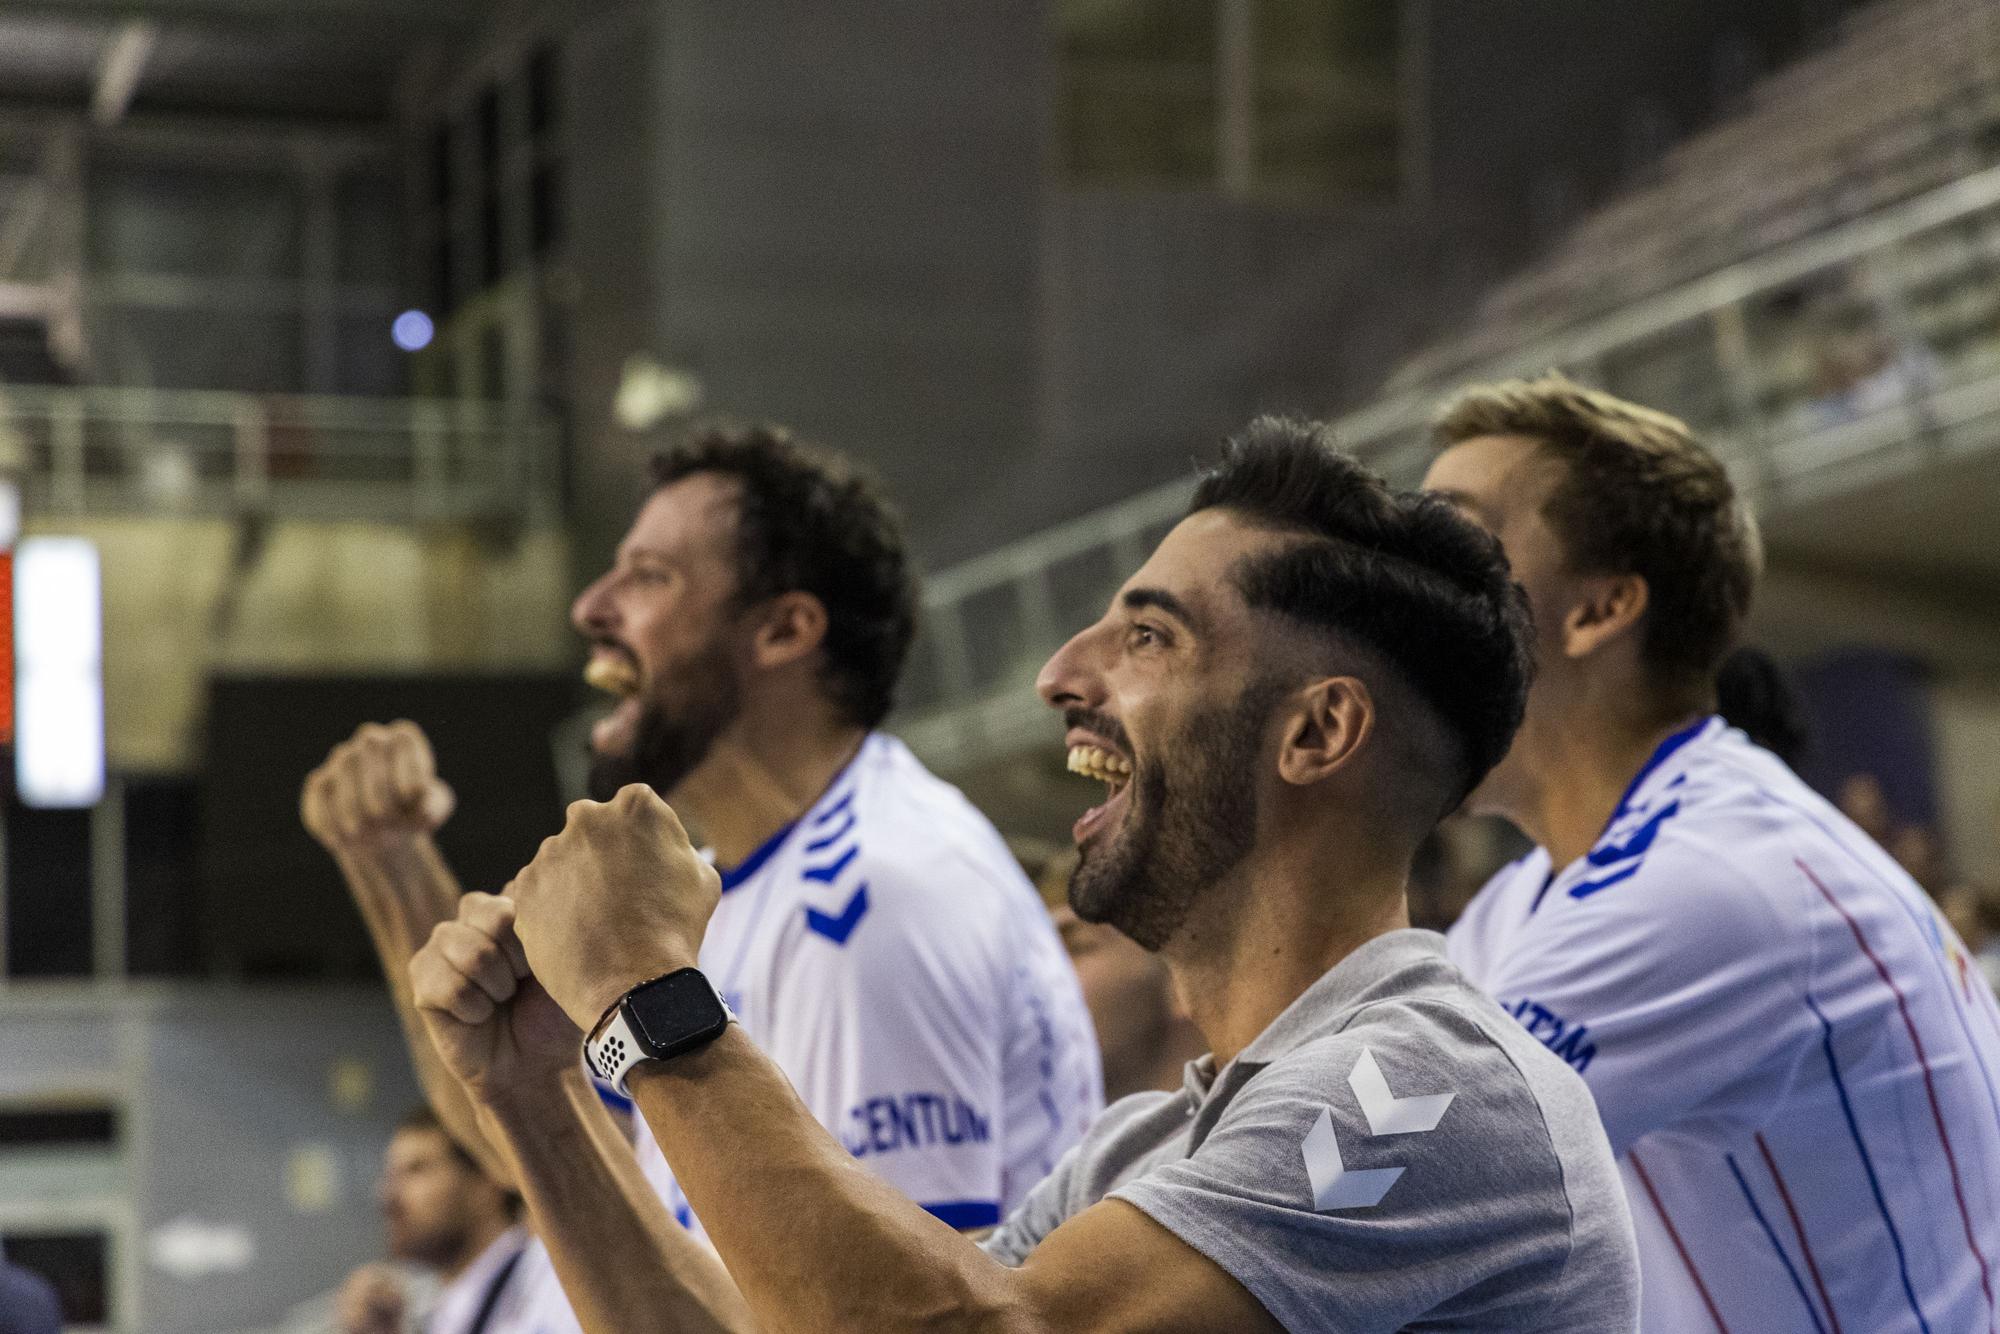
261,1113
850,203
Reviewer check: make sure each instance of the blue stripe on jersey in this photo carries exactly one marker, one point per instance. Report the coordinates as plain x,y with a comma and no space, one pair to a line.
963,1214
1589,887
1924,928
837,927
1868,1164
1658,758
826,817
827,872
1642,838
1783,1259
743,870
846,828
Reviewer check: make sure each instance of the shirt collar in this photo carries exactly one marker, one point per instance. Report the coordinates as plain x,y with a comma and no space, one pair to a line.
1654,763
1364,968
838,793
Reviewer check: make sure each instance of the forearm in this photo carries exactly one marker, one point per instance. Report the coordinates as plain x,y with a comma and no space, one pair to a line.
815,1242
402,896
623,1260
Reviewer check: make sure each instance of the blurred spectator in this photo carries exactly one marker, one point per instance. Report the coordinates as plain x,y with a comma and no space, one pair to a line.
1974,912
446,1216
1460,855
1754,694
1145,1036
1860,368
27,1303
1915,849
1862,800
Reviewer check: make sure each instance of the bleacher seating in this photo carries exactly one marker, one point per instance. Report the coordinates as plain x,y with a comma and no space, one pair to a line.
1905,100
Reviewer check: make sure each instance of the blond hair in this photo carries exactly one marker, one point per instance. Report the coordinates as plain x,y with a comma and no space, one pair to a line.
1640,494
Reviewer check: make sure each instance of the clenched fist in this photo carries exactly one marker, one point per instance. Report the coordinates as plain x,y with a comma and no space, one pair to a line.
490,1020
377,789
371,1301
619,897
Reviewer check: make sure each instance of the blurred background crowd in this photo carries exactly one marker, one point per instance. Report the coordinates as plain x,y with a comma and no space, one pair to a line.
334,335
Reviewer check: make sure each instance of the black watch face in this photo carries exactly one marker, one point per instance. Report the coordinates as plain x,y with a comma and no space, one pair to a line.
676,1012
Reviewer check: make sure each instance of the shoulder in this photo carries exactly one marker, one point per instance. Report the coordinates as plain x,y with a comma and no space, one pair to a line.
925,853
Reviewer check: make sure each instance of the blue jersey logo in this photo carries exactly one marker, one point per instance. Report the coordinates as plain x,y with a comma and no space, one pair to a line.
912,1121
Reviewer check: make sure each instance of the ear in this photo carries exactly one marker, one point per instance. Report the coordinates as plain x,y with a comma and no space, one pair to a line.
1609,606
790,626
1329,722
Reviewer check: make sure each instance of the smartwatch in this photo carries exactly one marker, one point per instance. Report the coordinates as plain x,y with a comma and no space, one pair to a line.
668,1016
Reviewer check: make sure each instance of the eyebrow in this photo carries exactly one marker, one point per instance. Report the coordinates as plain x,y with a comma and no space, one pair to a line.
1138,599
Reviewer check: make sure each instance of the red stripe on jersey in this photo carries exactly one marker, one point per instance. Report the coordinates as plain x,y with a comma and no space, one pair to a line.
1930,1085
1799,1230
1674,1235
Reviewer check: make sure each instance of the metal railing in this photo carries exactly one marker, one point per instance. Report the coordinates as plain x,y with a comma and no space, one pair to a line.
90,451
1732,352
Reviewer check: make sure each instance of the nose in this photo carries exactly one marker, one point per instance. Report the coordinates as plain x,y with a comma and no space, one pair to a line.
1068,679
591,613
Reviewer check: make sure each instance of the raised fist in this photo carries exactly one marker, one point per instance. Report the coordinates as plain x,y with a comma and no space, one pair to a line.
619,897
488,1017
377,789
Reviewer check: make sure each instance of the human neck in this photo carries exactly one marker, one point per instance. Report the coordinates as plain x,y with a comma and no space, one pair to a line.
1578,760
1274,927
477,1238
757,779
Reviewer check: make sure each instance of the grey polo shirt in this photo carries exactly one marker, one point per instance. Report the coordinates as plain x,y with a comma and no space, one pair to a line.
1392,1152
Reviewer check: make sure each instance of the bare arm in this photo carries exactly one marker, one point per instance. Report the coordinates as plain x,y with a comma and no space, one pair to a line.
624,1263
818,1244
374,805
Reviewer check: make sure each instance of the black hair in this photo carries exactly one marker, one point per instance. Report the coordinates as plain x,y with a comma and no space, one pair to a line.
1755,693
1400,573
808,521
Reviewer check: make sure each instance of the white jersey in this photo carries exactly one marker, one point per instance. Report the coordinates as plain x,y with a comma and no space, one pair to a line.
498,1293
1795,1059
888,954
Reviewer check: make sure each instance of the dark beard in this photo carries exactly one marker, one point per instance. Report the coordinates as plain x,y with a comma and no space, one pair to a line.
666,747
1184,831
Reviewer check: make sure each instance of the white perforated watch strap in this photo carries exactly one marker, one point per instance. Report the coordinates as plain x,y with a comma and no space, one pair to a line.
613,1051
615,1048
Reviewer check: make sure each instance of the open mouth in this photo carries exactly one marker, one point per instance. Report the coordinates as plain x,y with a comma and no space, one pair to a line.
1111,769
615,673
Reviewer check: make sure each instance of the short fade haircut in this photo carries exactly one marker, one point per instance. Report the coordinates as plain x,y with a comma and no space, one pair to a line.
807,521
1400,573
1639,495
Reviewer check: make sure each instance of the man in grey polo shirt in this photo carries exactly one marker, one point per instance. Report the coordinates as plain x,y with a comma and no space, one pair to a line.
1306,674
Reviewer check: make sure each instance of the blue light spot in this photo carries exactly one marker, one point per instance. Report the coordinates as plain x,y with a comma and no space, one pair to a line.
412,331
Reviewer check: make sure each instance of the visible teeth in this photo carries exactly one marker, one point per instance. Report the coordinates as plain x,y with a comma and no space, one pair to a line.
613,675
1099,763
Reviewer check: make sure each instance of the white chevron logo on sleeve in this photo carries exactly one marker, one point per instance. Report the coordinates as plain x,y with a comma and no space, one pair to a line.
1388,1114
1334,1186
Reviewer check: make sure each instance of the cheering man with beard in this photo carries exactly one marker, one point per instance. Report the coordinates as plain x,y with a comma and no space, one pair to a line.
1303,678
874,932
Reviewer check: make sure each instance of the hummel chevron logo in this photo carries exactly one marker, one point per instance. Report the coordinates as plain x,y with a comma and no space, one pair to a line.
1388,1114
1334,1186
837,927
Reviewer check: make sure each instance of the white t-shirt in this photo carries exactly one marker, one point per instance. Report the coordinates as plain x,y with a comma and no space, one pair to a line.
888,954
505,1274
1793,1054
